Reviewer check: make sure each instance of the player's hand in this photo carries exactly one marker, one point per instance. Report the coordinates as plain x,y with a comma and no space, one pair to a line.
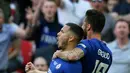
55,55
30,68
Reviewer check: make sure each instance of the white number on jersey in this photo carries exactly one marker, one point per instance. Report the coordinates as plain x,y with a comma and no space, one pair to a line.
99,66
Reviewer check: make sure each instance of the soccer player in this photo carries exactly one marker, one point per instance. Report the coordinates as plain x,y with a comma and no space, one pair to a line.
93,53
69,36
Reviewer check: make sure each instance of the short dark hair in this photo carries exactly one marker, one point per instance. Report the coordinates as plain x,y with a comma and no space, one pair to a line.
122,20
96,19
77,30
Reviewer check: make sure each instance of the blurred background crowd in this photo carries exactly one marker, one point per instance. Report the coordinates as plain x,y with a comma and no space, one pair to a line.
49,16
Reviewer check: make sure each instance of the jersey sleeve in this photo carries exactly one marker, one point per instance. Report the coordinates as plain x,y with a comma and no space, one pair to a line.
83,45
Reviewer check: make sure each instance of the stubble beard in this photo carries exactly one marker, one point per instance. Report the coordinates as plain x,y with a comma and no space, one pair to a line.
64,45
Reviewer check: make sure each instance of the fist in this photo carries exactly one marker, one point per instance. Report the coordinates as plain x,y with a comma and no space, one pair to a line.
29,67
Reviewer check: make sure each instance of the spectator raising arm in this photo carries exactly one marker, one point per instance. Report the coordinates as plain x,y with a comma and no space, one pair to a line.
122,11
117,16
37,12
126,17
32,21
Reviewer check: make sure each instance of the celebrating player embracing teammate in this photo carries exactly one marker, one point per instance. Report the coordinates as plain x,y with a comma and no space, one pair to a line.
95,56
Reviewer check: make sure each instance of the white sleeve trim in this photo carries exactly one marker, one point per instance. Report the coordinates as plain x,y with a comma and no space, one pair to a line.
82,45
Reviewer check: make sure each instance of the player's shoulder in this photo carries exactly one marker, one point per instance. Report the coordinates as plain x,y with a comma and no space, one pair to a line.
65,63
94,39
73,67
89,41
57,59
86,43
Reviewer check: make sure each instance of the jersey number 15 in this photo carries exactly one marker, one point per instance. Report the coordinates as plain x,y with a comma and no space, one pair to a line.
99,65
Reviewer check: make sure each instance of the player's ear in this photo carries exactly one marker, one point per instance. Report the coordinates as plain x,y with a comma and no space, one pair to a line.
71,38
88,27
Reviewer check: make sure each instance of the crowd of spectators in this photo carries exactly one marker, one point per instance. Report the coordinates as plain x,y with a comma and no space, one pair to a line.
43,19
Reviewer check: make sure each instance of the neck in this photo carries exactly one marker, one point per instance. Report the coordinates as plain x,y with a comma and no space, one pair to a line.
95,35
70,46
122,42
49,19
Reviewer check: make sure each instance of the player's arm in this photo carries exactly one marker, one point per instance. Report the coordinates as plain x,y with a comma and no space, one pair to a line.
72,55
32,22
75,54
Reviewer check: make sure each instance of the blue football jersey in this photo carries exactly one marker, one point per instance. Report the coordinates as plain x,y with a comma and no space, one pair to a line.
98,57
60,66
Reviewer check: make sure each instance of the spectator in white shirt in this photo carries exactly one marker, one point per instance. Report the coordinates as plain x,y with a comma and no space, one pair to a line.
72,10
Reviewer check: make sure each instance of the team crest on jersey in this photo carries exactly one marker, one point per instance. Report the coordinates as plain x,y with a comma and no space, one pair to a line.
58,66
55,63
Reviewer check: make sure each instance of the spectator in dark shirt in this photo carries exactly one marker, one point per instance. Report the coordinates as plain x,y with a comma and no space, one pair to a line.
122,11
46,30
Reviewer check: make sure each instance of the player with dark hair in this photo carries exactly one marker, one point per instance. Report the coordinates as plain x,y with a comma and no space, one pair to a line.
69,36
94,54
